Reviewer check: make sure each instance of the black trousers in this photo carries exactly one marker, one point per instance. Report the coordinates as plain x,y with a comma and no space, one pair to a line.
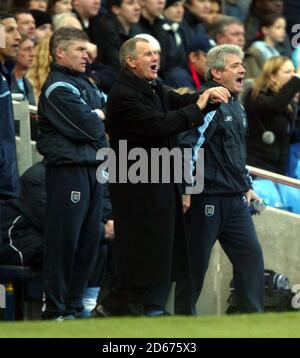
72,235
227,219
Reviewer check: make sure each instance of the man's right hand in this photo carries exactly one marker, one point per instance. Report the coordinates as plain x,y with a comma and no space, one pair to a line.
214,95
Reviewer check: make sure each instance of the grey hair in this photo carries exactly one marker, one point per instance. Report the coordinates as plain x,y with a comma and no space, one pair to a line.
64,37
151,39
59,20
129,49
220,26
216,58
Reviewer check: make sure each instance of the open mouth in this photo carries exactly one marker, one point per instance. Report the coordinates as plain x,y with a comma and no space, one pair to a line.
240,80
154,67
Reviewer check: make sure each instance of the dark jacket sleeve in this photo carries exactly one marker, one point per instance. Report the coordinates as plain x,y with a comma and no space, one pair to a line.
196,139
279,102
110,44
143,119
72,116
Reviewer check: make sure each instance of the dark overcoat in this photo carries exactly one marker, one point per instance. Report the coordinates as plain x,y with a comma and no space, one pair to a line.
149,228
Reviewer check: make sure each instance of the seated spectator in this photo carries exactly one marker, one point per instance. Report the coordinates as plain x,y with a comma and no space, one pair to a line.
215,7
177,42
229,30
15,5
233,8
272,33
38,73
258,10
66,19
117,26
198,16
87,13
151,23
40,5
193,75
43,24
55,7
24,61
20,84
271,114
4,5
26,23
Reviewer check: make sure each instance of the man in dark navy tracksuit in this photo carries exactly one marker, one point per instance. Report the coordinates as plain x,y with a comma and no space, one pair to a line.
221,212
72,130
9,42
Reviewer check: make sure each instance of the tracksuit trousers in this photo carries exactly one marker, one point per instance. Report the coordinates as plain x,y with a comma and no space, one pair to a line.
72,236
225,218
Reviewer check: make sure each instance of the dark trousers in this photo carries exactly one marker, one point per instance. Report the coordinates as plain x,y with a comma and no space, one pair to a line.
227,219
132,301
72,234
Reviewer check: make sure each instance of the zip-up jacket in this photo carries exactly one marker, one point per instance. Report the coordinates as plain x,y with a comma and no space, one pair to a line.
9,179
71,131
223,138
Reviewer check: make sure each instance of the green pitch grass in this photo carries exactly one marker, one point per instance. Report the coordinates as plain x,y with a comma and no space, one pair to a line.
263,325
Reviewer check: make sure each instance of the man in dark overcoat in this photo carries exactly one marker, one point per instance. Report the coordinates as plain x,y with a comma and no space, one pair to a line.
148,216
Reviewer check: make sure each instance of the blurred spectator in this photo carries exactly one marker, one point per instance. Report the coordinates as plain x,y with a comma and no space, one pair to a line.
24,61
87,13
229,30
244,5
26,23
215,7
5,4
234,8
193,75
59,6
117,26
43,24
273,32
259,9
18,4
177,42
39,71
151,23
66,19
271,113
38,5
196,14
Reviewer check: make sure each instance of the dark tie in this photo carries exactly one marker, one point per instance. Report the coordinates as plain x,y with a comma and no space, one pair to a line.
153,85
155,91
